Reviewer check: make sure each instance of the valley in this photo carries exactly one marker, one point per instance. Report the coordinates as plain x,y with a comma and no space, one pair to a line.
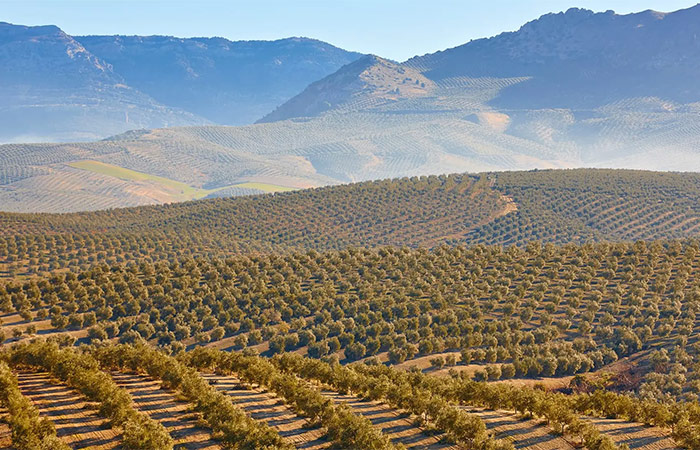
209,243
369,118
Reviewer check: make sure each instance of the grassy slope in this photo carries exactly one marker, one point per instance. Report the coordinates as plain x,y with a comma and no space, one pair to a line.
180,191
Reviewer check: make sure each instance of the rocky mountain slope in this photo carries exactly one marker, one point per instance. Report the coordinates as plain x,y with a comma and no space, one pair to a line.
368,78
584,59
52,88
229,83
55,87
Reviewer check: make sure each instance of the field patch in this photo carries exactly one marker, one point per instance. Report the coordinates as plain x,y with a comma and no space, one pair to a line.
77,422
263,187
163,405
176,190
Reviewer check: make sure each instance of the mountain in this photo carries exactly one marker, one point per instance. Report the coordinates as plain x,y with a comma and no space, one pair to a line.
574,89
52,88
593,89
55,87
579,58
368,78
229,83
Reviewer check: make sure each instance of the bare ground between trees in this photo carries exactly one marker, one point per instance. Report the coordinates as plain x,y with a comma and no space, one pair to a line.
267,407
636,435
524,433
5,433
77,422
162,405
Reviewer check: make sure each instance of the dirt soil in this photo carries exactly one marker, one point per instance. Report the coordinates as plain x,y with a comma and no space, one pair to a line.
77,422
265,406
162,405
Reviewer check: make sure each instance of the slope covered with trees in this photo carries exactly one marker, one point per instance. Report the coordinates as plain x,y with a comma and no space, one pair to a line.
494,313
494,208
323,293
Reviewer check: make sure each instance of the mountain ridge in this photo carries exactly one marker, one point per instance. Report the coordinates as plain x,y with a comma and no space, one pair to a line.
54,87
374,118
58,87
228,82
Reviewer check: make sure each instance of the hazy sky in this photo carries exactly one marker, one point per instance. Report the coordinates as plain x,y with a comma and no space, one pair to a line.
396,29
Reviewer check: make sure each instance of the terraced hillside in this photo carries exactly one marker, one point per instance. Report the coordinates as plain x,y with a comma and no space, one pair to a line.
495,208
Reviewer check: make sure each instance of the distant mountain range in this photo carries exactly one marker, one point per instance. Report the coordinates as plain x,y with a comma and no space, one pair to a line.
229,83
574,89
61,88
52,88
595,89
581,59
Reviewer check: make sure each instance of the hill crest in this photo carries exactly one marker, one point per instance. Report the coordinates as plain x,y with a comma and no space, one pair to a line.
370,78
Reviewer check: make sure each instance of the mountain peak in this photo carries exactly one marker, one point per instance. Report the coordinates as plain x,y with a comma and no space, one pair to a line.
7,28
368,78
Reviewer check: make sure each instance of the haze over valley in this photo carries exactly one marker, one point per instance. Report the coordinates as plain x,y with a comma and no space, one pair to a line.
571,89
213,243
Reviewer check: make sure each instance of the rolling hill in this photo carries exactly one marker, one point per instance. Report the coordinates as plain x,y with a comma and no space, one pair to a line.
261,321
504,208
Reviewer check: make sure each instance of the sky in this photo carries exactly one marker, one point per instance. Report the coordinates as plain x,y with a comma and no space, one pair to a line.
396,29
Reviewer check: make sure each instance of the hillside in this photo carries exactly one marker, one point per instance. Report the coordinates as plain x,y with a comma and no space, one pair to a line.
576,89
368,79
290,319
202,161
52,88
534,98
497,318
229,83
576,206
261,321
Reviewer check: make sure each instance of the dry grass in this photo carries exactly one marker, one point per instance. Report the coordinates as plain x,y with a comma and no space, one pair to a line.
267,407
161,405
76,420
